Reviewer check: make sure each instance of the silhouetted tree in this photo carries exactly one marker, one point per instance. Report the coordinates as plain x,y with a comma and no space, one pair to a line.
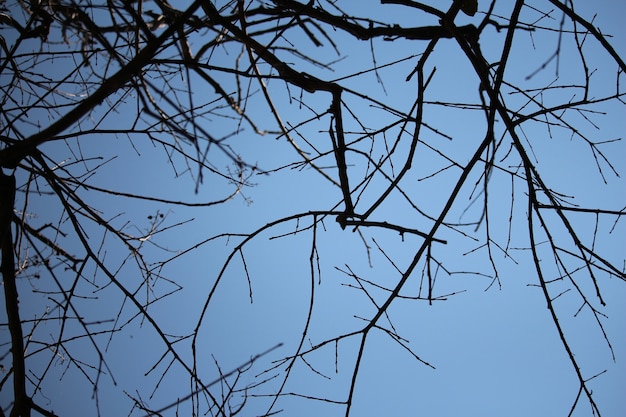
405,143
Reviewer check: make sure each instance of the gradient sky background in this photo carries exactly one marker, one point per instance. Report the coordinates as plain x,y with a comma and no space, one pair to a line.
494,348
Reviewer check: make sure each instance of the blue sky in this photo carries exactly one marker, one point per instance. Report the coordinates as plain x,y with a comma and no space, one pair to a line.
494,348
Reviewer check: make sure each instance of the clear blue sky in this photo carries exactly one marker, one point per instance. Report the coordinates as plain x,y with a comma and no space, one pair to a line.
494,347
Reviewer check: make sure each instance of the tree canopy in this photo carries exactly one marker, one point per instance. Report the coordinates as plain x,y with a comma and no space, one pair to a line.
328,207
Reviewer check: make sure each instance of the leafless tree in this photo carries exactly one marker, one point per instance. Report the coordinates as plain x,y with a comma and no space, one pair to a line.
423,136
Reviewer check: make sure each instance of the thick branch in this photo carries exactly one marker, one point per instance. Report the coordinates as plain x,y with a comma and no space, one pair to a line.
424,33
21,406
